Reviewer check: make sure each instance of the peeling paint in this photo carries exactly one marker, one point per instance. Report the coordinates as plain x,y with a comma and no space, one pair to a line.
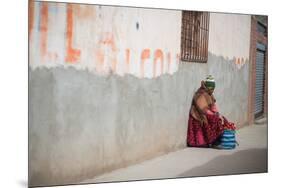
158,57
89,42
144,56
100,58
102,45
44,29
239,62
85,11
128,60
31,18
72,55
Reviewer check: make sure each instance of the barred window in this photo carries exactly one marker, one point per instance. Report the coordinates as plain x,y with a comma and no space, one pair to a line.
194,36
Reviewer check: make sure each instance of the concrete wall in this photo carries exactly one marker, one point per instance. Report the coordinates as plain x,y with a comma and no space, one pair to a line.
107,89
229,49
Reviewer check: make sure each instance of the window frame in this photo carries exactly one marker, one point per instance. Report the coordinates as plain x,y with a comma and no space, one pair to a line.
195,36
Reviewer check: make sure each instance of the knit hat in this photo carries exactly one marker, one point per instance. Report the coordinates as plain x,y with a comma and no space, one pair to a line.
210,82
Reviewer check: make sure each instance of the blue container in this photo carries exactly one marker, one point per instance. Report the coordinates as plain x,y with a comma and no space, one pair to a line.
228,140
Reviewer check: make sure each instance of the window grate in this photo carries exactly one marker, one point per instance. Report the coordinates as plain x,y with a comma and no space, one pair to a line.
194,36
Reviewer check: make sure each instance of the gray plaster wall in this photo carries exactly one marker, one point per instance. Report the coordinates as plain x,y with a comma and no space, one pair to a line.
82,125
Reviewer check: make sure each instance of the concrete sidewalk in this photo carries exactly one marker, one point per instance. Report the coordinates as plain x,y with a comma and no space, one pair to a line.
249,157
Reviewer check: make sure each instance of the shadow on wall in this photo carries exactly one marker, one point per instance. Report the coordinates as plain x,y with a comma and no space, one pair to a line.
241,162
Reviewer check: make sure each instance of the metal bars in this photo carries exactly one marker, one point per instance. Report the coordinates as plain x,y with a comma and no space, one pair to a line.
194,36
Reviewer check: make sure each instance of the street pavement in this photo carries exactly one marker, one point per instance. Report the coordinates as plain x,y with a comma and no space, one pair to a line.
249,157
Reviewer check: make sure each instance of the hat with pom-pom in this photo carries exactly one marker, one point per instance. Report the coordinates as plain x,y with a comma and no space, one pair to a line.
210,82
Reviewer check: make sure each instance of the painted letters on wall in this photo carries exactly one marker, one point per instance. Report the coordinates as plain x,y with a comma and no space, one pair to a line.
103,39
